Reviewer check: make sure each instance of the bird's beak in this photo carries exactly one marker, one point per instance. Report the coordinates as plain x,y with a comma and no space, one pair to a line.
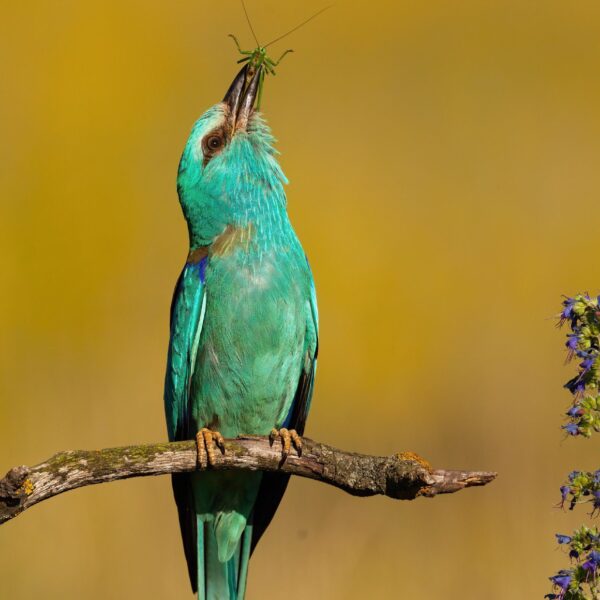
240,97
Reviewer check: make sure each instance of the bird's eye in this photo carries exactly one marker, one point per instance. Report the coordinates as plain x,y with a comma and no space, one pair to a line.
214,142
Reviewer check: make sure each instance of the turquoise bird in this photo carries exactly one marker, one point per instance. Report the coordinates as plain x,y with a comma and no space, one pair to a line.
243,342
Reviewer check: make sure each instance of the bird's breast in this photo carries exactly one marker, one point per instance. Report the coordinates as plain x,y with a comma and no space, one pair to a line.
252,340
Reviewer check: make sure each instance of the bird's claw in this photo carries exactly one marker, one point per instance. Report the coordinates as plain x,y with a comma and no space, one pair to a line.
289,438
206,440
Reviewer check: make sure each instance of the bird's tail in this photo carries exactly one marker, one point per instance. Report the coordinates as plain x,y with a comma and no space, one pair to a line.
221,579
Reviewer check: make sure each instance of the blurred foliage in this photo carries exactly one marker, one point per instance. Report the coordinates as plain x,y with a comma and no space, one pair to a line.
583,341
580,580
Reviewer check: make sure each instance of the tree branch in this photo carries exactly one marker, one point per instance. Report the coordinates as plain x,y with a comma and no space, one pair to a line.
404,476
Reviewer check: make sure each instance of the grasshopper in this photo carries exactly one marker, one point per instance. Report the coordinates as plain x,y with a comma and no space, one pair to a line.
259,57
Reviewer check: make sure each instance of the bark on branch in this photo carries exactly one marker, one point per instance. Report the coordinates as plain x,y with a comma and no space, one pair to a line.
402,476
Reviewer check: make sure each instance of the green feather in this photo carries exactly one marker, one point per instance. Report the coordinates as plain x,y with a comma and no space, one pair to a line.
243,333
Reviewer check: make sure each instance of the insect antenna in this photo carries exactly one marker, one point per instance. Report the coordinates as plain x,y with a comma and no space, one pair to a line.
297,26
250,23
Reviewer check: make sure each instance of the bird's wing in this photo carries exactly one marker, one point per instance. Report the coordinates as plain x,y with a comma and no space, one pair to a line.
187,315
273,485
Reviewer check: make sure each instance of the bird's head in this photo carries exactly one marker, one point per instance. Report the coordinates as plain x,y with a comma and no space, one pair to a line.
228,173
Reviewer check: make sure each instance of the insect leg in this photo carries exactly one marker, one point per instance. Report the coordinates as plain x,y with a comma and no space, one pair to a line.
238,45
269,64
279,59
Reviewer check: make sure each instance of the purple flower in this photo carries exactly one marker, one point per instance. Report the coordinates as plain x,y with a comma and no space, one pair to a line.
575,411
575,385
589,566
567,311
563,539
571,428
588,363
564,492
562,580
572,341
594,556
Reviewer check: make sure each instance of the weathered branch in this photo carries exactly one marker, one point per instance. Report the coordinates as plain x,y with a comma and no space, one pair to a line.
403,476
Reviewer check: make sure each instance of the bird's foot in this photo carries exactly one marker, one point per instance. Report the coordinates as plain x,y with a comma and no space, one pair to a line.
414,457
289,438
206,440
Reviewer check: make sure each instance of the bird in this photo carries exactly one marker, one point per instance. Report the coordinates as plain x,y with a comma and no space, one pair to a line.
243,335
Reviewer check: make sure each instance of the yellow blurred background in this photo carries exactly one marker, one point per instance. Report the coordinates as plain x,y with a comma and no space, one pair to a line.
443,159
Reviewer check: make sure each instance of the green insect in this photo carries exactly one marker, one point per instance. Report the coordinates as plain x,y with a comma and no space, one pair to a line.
259,57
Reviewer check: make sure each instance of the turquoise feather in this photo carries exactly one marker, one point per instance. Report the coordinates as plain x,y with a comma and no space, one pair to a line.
243,340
